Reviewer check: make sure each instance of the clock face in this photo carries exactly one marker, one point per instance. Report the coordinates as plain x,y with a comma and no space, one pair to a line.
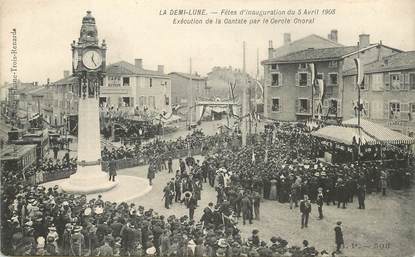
92,59
75,59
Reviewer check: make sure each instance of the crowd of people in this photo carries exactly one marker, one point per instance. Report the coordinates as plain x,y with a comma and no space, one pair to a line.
45,221
160,150
281,166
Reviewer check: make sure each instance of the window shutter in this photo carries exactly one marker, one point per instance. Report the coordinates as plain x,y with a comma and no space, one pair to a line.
132,101
386,110
280,110
367,82
404,111
297,79
281,81
297,105
269,105
387,80
402,81
309,105
268,80
339,107
406,81
308,79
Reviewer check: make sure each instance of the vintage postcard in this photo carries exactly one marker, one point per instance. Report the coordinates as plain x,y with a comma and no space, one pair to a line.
234,128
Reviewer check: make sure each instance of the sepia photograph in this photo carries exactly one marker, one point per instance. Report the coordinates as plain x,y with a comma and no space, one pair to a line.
238,128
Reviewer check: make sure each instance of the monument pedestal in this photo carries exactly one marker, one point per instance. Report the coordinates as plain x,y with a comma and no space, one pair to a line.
89,177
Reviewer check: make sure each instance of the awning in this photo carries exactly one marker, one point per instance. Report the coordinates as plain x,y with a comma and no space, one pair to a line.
380,133
219,109
344,135
171,119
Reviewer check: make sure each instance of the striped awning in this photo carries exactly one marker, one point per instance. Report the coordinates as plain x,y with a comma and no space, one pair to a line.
380,133
344,135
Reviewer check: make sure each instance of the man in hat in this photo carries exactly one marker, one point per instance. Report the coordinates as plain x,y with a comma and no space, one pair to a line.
170,164
66,238
151,174
105,249
112,170
246,207
191,204
361,195
77,242
166,196
305,209
320,201
338,233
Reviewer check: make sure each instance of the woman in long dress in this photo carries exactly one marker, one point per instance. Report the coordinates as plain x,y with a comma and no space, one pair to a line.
273,190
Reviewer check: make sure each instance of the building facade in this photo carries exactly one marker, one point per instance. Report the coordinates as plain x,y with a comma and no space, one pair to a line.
288,85
181,91
60,101
130,86
388,92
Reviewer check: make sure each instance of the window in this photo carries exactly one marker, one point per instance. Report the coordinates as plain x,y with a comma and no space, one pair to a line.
394,110
151,82
126,81
333,78
302,79
274,66
332,107
413,108
302,66
303,106
395,81
275,80
333,64
167,100
412,81
125,101
275,107
377,82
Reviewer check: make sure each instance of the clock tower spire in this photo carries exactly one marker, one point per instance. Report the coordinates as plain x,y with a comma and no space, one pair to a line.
89,67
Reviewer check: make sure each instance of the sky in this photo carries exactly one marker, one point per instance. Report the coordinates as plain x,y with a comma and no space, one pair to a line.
135,29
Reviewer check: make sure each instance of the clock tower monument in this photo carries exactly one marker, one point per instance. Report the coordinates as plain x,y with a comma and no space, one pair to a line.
88,66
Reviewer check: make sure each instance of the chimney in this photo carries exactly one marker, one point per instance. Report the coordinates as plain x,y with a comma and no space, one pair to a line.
160,69
65,73
333,35
270,49
380,52
138,63
287,38
364,40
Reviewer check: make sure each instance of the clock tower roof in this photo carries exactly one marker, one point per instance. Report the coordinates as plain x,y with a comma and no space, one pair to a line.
89,32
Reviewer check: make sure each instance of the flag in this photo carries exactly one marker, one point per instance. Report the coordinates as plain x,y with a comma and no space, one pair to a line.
322,89
313,75
359,70
266,156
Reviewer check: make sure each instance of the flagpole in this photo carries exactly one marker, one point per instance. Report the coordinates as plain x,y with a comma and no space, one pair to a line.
191,92
358,106
312,97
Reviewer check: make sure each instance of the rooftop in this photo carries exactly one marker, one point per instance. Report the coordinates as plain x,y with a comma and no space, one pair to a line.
313,40
13,151
187,75
126,68
321,54
398,61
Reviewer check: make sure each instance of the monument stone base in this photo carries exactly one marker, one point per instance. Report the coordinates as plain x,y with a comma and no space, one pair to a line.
88,180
